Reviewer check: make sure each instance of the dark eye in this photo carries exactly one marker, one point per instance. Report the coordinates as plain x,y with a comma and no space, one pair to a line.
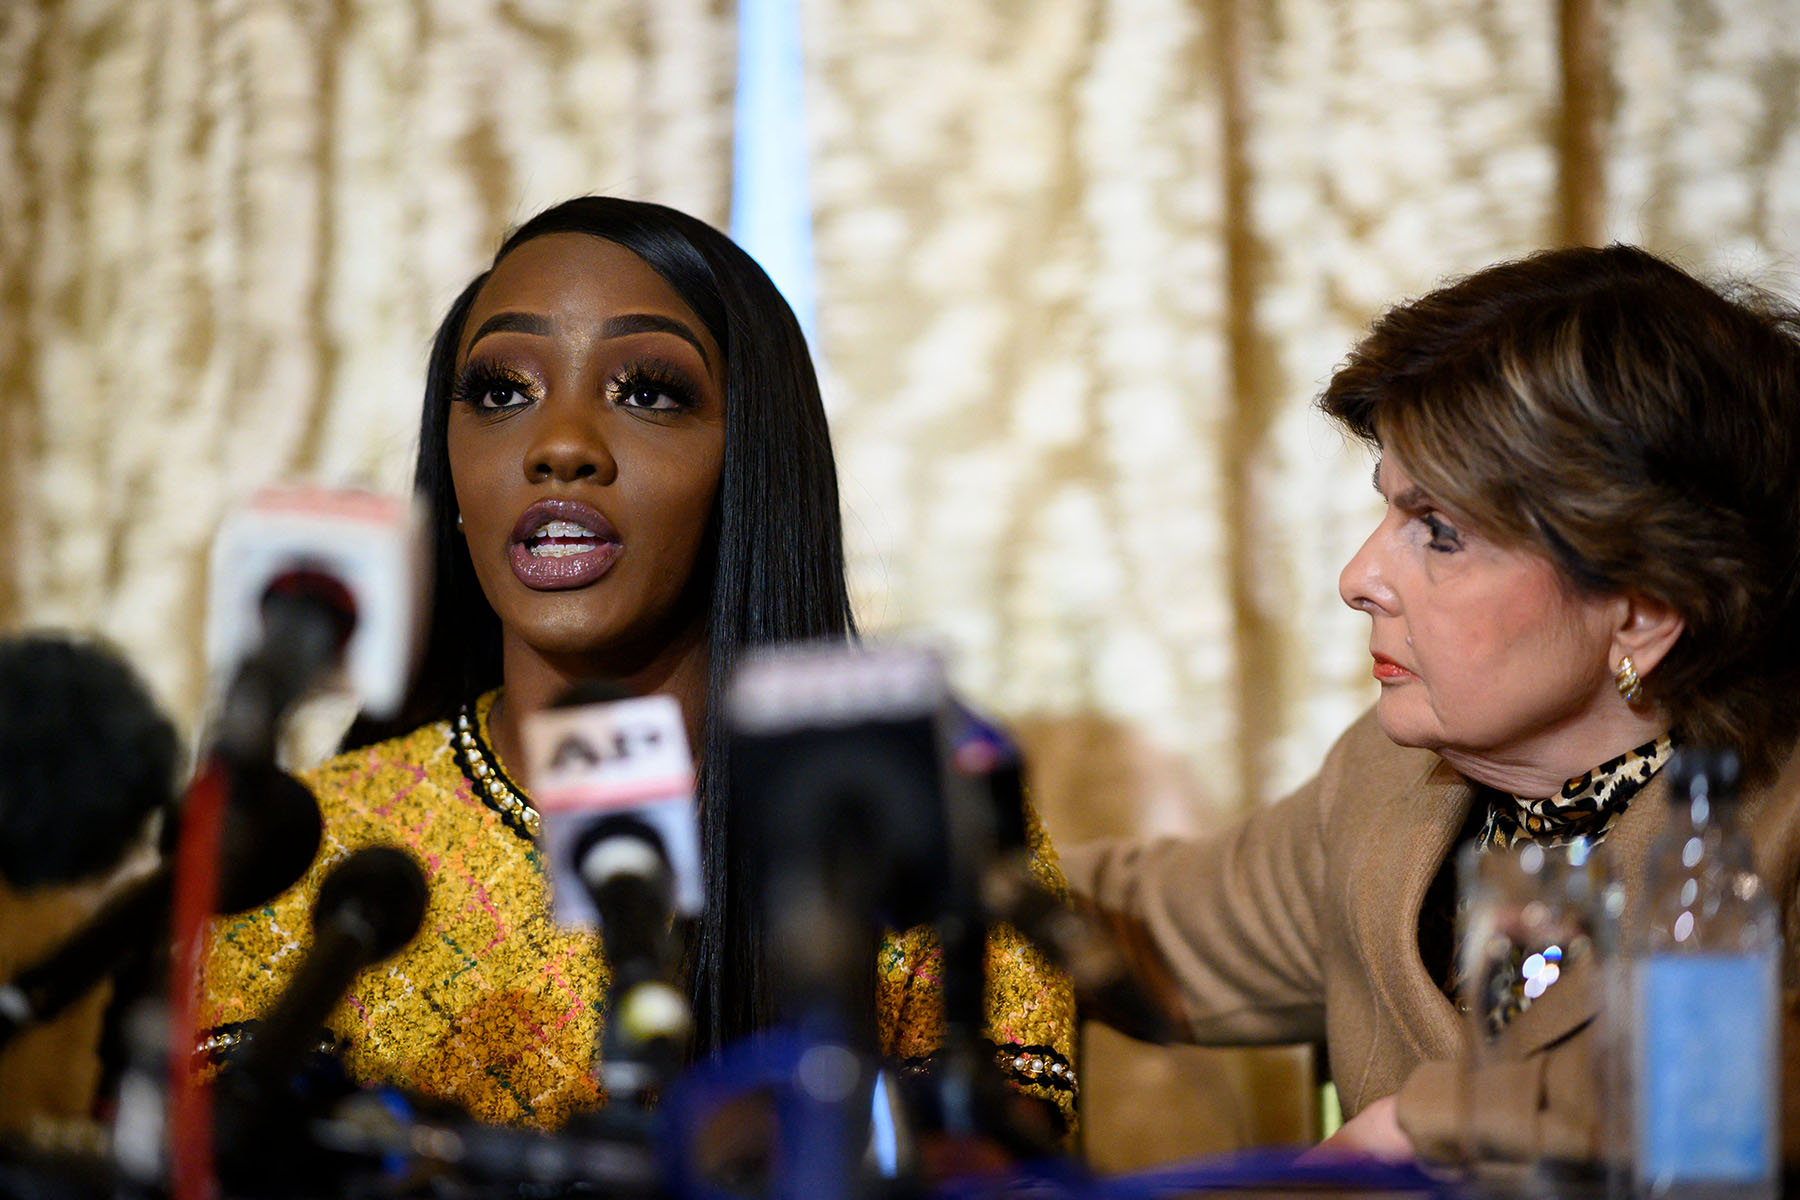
652,388
1444,537
503,395
490,388
652,396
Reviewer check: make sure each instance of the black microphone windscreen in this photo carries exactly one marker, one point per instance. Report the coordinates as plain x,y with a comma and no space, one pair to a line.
319,591
272,831
382,889
85,758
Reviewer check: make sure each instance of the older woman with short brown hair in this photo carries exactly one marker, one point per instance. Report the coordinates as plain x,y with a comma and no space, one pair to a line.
1590,554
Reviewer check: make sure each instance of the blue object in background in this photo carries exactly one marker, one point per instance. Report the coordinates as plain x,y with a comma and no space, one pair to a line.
771,205
1708,1070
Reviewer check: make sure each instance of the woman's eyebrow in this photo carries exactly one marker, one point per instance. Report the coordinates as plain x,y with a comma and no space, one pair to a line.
520,322
626,324
623,325
1413,499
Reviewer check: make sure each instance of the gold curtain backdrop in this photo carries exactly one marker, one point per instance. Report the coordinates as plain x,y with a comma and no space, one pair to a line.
230,227
1082,266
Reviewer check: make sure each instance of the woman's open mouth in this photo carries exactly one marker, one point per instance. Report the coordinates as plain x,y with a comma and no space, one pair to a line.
562,544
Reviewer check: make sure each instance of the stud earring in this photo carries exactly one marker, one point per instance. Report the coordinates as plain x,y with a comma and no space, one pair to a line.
1631,688
459,523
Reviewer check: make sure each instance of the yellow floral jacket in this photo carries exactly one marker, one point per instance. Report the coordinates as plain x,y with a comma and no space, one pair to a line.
496,1007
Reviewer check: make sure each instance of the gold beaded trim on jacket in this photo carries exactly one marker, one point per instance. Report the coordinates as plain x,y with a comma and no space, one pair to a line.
1036,1064
218,1045
483,772
1040,1065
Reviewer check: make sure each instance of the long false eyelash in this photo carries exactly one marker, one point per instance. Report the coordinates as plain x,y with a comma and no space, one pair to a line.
654,374
479,377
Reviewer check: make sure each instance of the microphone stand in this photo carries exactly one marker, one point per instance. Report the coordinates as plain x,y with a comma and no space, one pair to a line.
626,871
826,944
833,867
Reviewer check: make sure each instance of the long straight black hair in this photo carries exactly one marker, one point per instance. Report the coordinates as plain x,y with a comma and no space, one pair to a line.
777,557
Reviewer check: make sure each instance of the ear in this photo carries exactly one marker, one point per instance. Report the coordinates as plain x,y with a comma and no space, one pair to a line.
1648,629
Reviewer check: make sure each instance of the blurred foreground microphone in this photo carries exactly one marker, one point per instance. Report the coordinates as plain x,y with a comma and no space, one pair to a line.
311,585
293,576
837,766
86,759
369,905
87,764
269,843
613,780
836,757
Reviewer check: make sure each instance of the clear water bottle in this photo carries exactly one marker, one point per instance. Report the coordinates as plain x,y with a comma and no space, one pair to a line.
1703,959
1523,921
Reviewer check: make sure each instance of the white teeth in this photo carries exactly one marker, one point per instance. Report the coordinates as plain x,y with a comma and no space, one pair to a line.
556,539
563,529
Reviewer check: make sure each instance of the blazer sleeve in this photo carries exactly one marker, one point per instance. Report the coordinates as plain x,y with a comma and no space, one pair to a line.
1230,922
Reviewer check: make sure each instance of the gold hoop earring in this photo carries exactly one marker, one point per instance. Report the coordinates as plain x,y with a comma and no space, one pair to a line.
1631,688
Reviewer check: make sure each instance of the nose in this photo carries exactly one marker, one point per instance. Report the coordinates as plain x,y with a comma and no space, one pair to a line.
1363,583
569,444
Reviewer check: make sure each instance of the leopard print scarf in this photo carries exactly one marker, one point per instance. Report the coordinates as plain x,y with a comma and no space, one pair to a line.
1586,807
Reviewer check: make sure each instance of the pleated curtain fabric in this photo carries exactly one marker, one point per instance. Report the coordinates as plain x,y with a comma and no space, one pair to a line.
1080,267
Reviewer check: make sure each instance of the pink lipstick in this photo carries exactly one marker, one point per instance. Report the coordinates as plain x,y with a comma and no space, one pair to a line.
558,544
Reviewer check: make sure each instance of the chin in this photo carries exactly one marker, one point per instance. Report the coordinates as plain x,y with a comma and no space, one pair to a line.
578,642
1404,725
563,625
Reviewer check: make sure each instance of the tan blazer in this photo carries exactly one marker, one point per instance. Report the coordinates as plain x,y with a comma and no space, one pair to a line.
1301,924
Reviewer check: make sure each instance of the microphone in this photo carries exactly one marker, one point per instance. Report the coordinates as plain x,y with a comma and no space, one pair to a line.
88,764
982,751
308,583
86,760
614,783
1079,940
305,584
268,847
368,906
838,765
87,769
838,768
